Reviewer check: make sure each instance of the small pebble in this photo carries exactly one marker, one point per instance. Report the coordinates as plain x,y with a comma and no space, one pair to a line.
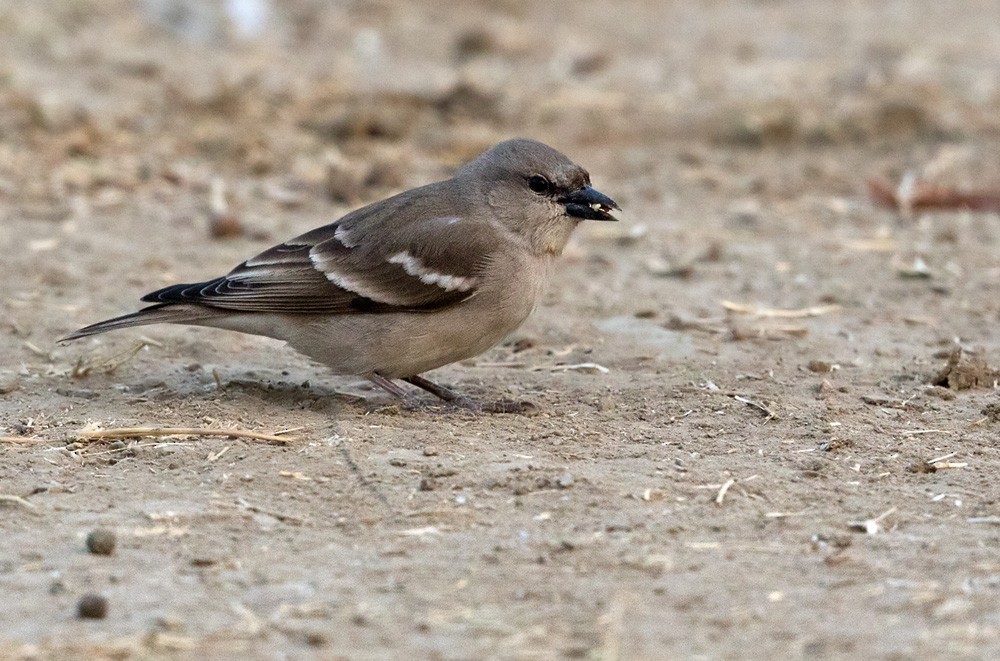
316,639
225,226
819,366
101,542
92,607
8,383
523,344
565,481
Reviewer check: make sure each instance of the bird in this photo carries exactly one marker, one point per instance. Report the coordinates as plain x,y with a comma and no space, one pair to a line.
428,277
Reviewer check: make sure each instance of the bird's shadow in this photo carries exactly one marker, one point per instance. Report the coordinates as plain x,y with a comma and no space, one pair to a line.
285,394
321,397
258,388
250,389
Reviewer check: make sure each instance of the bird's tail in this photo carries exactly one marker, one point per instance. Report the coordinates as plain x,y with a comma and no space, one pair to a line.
154,314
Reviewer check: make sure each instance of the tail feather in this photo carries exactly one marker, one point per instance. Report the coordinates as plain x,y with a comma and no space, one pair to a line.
164,313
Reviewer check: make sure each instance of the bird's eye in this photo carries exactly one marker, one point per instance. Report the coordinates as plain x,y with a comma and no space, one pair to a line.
539,184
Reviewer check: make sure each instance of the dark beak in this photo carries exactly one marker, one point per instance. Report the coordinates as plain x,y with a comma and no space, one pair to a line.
589,204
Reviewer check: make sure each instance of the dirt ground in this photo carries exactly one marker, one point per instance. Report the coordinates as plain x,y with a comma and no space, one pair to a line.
765,468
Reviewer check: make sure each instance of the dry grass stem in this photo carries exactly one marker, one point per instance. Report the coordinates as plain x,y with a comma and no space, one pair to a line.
215,455
719,497
131,432
15,500
768,413
585,368
17,440
871,526
280,516
108,365
777,313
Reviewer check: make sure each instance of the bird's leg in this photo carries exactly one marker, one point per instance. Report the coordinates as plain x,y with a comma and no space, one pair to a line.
388,386
408,400
447,394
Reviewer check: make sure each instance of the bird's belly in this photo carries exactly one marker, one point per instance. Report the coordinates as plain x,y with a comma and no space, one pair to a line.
409,343
432,340
426,341
406,344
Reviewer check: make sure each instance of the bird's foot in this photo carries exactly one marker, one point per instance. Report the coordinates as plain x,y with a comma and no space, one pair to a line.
452,400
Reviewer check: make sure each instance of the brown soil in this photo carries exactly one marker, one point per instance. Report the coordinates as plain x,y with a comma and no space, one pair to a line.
737,484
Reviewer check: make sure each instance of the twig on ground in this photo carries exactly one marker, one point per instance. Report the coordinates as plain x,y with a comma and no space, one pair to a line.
714,326
767,333
768,413
885,402
783,515
15,500
871,526
585,368
215,455
776,313
107,365
719,497
130,432
284,518
20,440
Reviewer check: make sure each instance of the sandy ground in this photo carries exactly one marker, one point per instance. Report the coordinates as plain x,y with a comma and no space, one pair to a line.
737,484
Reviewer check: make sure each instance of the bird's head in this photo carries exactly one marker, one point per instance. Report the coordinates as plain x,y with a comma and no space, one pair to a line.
537,192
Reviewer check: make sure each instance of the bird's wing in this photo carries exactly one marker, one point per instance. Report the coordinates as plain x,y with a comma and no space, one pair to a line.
358,264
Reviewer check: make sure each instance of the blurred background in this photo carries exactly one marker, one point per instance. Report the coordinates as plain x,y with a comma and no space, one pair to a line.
300,100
